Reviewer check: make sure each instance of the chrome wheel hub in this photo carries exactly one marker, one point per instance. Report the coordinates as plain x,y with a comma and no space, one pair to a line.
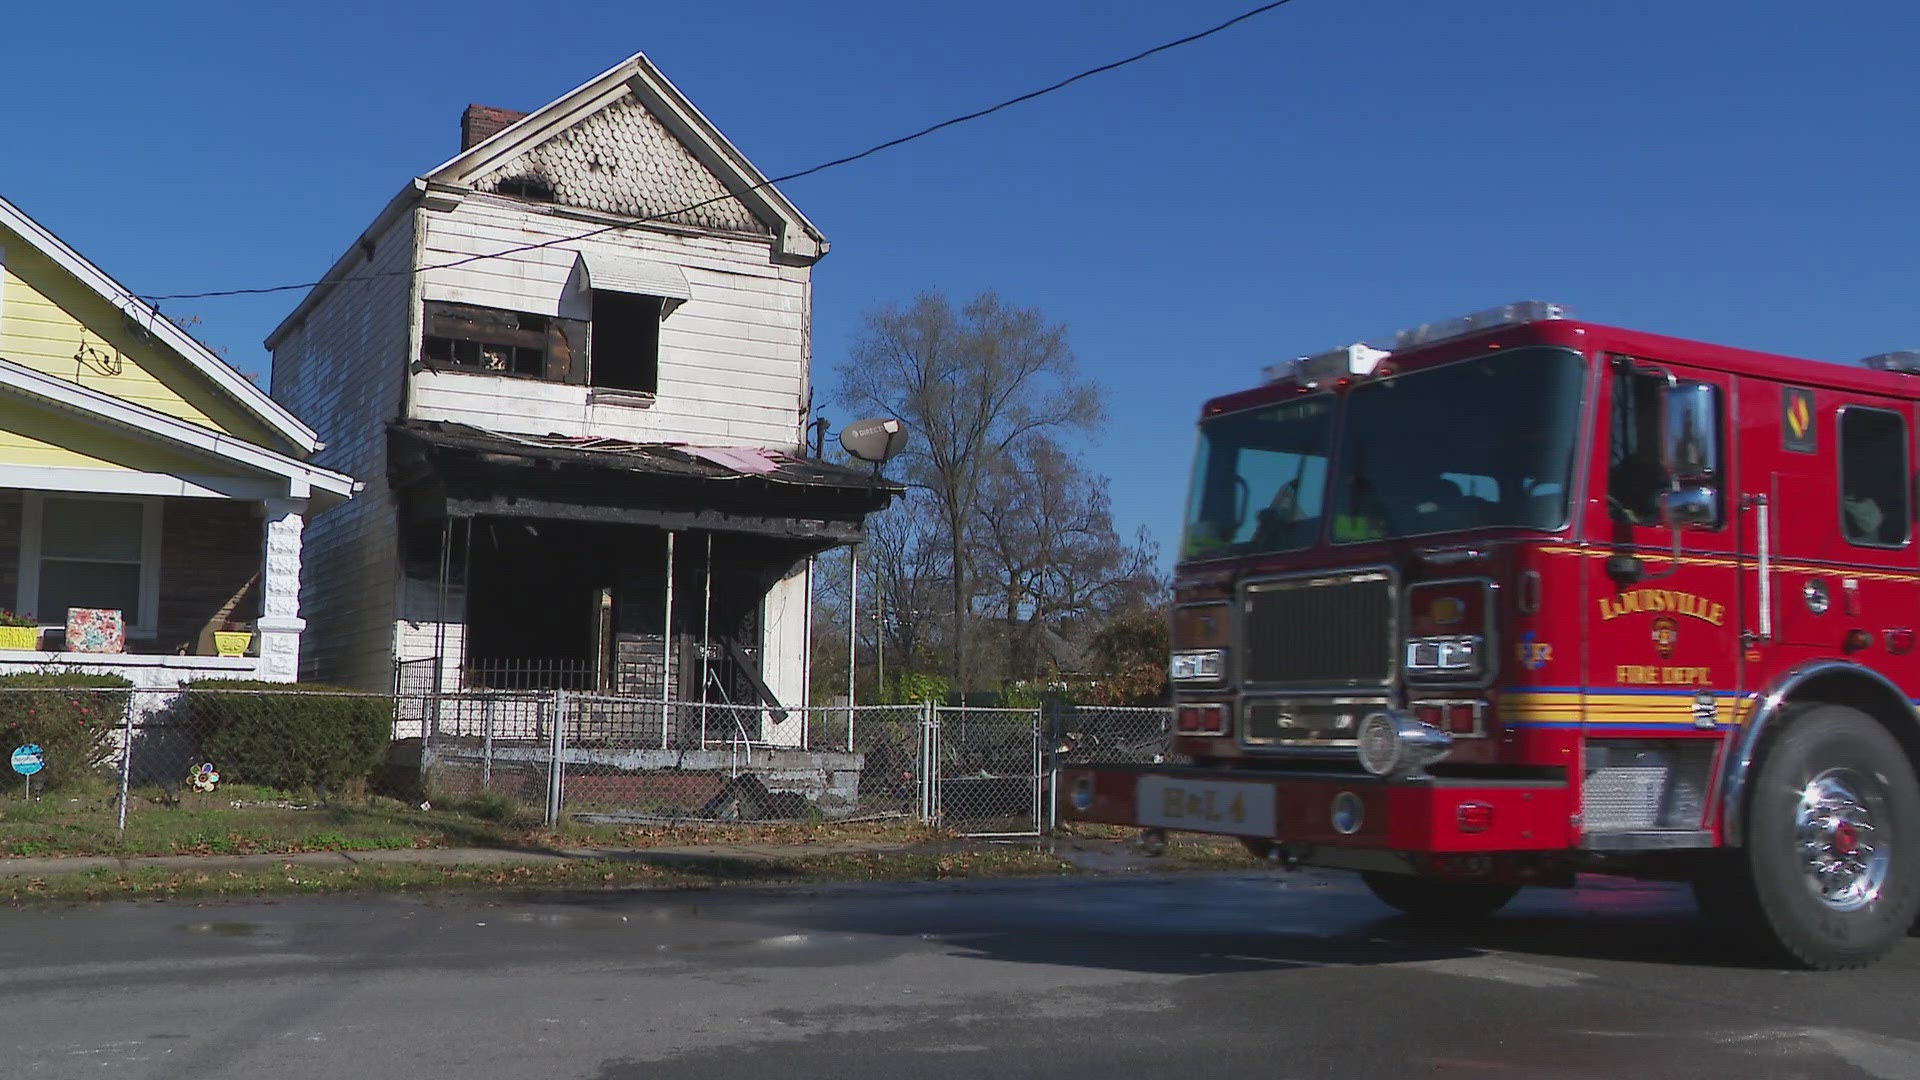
1842,853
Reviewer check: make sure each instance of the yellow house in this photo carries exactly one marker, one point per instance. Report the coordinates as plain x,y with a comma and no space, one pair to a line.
141,474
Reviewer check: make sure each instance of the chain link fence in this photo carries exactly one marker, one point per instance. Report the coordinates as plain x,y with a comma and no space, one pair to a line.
551,754
604,758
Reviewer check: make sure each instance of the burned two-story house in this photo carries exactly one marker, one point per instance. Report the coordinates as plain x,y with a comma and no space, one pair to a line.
571,365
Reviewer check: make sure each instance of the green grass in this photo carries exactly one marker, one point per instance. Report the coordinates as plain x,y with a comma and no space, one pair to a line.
584,874
244,820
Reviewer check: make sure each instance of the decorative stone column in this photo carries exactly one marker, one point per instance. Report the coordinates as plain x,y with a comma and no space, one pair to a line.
280,622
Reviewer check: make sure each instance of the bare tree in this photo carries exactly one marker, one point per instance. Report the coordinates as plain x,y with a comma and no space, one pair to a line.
1048,558
971,384
907,558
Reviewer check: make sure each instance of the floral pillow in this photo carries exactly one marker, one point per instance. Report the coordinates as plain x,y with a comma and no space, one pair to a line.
97,630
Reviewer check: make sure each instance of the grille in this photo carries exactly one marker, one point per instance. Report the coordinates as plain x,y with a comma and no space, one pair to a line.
1320,632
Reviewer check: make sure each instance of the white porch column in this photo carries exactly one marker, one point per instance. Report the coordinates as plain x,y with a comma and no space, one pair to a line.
280,622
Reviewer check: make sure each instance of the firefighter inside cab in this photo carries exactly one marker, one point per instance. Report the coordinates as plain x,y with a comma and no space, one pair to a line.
1523,597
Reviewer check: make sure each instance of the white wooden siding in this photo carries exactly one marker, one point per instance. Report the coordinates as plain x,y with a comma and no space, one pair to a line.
733,359
783,650
342,371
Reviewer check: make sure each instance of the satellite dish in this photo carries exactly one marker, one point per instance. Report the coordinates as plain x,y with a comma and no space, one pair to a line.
874,440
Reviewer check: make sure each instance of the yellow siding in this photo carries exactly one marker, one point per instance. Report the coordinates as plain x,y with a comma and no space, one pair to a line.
53,324
33,436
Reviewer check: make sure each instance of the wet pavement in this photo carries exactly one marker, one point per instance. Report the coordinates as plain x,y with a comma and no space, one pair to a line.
1262,974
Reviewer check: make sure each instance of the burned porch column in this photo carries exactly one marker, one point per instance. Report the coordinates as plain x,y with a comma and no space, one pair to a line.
280,624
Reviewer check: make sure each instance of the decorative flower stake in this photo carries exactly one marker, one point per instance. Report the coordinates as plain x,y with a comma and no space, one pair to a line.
203,777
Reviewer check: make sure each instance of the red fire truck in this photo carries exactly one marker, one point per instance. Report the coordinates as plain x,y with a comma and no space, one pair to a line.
1522,597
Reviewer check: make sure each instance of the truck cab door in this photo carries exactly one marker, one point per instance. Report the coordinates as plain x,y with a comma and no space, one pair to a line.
1664,624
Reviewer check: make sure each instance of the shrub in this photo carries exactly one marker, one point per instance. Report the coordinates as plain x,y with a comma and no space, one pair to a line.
289,735
73,716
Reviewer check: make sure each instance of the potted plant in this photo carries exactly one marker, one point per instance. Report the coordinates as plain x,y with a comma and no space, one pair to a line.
232,639
19,631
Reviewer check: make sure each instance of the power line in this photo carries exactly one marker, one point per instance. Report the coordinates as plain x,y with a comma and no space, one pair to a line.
809,171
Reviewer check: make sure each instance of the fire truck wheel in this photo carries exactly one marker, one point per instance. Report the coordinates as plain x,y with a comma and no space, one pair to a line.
1830,875
1438,901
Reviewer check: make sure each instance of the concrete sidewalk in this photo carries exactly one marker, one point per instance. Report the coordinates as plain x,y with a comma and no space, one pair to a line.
30,867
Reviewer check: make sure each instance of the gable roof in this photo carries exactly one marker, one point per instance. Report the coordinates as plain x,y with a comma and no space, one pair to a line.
224,378
793,235
794,238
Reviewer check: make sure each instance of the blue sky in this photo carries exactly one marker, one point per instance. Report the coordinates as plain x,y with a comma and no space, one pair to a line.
1734,171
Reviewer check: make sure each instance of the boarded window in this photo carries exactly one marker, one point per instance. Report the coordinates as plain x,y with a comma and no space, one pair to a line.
493,340
626,341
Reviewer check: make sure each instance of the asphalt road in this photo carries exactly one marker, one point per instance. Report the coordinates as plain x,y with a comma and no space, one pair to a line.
1246,976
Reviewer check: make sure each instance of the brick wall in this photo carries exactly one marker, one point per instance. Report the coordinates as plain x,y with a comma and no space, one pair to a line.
481,122
210,553
10,510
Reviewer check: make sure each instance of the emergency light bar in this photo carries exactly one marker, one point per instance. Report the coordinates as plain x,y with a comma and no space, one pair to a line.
1361,359
1906,362
1355,359
1506,315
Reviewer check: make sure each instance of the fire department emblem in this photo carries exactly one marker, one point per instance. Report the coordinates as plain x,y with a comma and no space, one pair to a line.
1533,655
1666,634
1796,421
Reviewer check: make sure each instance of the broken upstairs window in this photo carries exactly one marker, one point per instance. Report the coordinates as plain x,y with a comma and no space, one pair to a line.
626,341
496,341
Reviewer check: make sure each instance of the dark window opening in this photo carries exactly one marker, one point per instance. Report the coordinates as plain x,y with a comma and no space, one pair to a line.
1873,478
626,341
491,340
525,187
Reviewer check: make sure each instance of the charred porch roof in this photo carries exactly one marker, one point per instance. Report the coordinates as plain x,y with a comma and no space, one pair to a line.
453,470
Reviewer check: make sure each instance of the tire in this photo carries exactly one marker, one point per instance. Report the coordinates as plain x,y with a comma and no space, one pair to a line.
1830,874
1430,899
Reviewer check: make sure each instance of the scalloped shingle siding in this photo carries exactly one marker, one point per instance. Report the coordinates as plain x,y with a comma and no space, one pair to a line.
624,161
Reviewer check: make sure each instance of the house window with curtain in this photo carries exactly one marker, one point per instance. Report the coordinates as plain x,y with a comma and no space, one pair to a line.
79,552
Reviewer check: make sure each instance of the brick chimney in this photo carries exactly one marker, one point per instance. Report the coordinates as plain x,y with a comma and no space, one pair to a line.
479,123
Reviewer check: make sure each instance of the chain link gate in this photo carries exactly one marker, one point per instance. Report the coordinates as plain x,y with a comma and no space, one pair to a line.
988,770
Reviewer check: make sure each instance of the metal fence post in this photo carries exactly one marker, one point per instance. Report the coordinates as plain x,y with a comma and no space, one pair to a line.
486,760
1039,776
126,759
930,809
920,765
555,707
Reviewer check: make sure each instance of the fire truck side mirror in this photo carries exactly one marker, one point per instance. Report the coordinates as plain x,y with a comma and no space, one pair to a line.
1696,506
1690,429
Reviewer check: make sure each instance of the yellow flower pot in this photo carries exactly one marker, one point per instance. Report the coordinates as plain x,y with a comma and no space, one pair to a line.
232,642
19,637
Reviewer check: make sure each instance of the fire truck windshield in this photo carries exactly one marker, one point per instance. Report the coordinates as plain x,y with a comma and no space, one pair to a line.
1260,480
1486,442
1479,443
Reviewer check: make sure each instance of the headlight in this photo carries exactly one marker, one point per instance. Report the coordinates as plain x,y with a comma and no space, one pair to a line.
1391,744
1198,665
1445,655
